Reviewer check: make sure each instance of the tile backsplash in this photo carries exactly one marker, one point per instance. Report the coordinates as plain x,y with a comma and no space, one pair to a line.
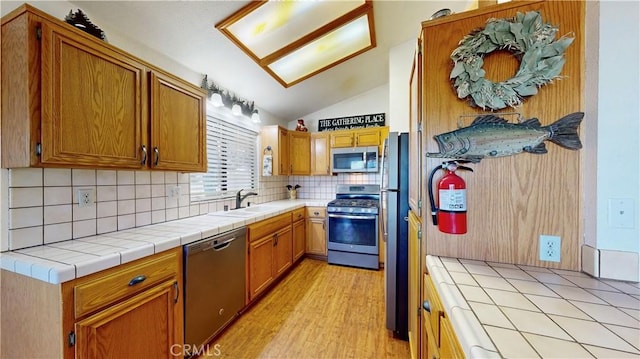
43,203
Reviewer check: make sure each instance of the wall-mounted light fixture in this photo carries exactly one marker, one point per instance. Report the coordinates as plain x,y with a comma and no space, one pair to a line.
220,97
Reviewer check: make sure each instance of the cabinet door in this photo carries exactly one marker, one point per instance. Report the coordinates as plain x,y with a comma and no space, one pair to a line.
342,139
140,327
283,153
414,285
449,346
283,256
93,103
320,155
317,236
178,127
300,153
299,239
367,137
415,134
260,265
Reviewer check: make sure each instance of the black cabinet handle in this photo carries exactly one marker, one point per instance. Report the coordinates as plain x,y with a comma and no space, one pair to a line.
426,306
137,279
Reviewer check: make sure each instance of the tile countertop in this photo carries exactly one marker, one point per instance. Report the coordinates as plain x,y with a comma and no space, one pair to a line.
512,311
63,261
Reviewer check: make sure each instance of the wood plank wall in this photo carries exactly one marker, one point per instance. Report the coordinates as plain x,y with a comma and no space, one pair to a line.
511,200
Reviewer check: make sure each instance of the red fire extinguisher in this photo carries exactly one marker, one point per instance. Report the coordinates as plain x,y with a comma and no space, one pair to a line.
450,214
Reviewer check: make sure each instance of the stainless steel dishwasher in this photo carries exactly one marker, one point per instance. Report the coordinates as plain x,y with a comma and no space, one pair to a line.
214,284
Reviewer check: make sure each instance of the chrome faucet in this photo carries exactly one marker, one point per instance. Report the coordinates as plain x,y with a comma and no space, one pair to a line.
240,197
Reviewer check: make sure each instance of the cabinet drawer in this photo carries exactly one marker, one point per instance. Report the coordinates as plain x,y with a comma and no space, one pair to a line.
430,295
316,212
123,282
268,226
298,214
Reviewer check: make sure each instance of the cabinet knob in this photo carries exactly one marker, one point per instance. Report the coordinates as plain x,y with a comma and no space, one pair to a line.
316,213
426,306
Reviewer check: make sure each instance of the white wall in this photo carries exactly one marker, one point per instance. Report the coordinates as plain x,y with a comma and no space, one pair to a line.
618,126
373,101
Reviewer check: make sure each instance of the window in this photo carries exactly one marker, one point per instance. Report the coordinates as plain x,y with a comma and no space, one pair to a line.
231,159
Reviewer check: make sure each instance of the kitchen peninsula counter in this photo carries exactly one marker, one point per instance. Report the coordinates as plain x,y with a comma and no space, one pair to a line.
63,261
512,311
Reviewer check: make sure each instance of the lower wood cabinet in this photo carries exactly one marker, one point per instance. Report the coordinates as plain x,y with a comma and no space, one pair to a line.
438,338
270,252
133,310
299,234
316,231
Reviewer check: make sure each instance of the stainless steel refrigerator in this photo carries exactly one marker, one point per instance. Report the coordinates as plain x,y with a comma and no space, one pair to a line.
394,199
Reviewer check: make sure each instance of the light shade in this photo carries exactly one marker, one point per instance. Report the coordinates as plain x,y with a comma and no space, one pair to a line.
255,117
294,40
216,99
236,109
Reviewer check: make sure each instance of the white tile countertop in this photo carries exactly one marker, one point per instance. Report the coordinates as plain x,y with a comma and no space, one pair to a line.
512,311
63,261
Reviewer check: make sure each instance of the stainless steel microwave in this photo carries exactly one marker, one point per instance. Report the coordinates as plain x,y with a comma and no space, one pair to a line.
354,159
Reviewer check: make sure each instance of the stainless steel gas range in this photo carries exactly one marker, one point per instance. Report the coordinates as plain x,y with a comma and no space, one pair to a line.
352,238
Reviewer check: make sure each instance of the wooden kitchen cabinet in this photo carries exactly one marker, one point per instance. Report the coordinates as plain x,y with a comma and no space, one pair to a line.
373,136
299,233
283,252
415,133
72,100
356,138
299,153
178,127
414,292
100,315
277,138
439,339
270,252
320,154
316,231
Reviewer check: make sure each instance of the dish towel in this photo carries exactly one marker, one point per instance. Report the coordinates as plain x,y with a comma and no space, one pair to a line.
267,165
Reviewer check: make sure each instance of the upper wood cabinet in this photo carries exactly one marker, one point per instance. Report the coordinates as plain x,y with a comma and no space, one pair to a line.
72,100
320,154
277,139
177,127
373,136
299,153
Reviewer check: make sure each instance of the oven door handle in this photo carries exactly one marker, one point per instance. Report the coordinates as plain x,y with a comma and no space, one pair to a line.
351,217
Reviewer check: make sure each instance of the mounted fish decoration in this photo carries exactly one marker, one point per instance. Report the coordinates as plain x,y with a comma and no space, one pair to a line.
493,136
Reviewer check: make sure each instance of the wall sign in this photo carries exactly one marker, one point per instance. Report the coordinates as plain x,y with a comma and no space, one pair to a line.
351,122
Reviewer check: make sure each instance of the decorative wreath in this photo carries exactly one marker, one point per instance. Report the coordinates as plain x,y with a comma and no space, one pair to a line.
529,39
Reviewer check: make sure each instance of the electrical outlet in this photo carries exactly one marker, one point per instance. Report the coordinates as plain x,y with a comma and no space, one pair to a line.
549,248
85,197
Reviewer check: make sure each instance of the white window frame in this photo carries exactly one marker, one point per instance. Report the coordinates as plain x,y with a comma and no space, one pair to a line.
229,138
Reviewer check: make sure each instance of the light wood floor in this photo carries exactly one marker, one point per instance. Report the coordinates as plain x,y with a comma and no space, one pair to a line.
317,311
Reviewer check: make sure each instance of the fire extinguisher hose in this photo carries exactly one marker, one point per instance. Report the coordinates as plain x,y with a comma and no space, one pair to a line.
432,201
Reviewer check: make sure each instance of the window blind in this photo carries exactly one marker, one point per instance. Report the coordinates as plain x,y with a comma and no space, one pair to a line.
231,160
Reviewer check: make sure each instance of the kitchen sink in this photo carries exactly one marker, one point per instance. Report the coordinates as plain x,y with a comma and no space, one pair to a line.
257,209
